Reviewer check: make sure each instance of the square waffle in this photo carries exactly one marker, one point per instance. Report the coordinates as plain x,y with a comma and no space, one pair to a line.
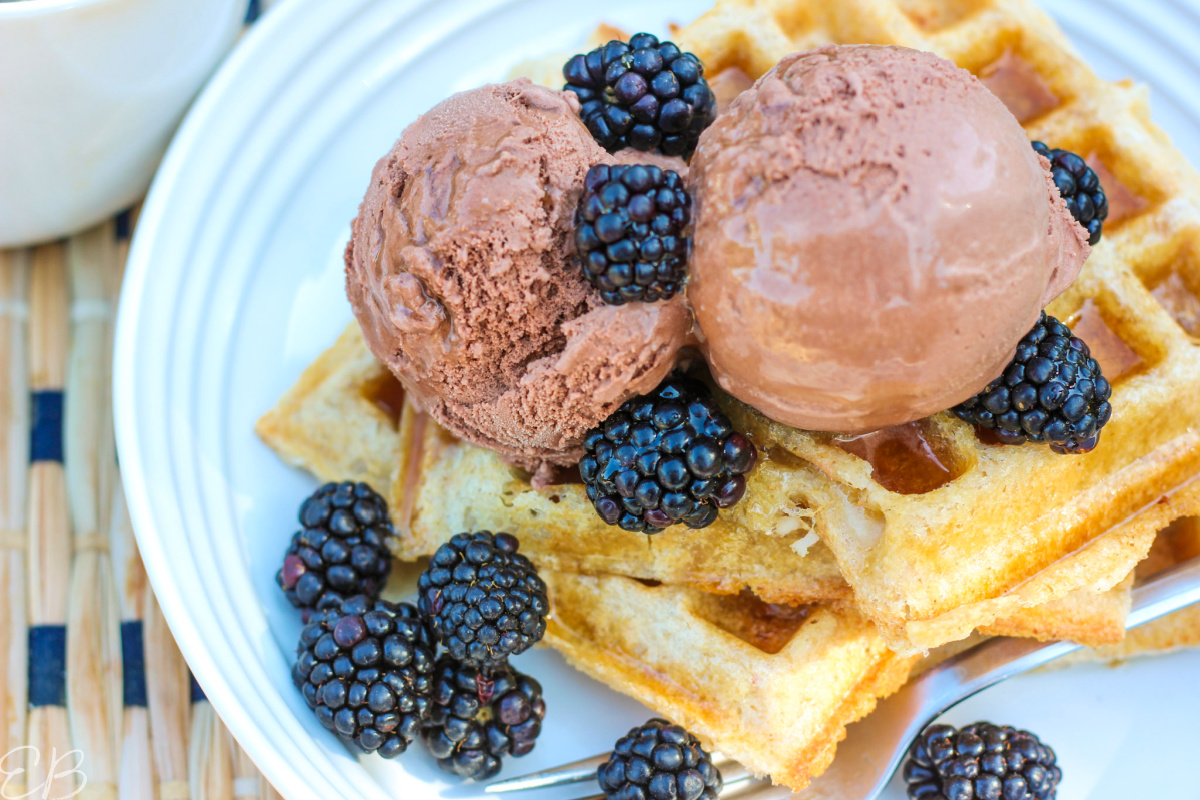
929,563
925,557
346,419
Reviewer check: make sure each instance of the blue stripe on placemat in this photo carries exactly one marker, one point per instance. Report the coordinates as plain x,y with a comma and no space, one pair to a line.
133,656
46,432
197,693
253,11
47,665
123,224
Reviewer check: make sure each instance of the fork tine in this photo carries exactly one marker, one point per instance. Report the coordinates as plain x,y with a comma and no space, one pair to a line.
576,772
741,785
751,788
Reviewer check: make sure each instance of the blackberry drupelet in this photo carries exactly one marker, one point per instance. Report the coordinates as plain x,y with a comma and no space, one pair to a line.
1080,187
667,457
484,600
1051,392
659,761
366,670
646,94
476,721
630,232
980,762
341,551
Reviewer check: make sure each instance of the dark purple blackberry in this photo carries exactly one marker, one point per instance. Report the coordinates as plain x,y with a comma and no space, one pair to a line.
366,670
484,600
646,94
341,551
630,232
667,457
659,761
1080,187
476,721
1052,392
980,762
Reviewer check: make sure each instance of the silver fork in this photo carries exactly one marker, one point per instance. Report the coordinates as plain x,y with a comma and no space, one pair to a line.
874,748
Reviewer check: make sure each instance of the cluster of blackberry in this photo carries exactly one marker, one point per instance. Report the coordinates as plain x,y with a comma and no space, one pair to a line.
1052,392
630,232
664,458
370,670
643,94
366,670
341,548
980,762
659,761
477,720
484,600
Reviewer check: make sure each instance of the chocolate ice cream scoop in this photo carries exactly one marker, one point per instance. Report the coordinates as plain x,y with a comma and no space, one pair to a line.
874,235
462,273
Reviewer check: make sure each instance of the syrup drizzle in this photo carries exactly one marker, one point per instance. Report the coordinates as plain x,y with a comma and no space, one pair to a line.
767,626
1116,358
386,393
905,458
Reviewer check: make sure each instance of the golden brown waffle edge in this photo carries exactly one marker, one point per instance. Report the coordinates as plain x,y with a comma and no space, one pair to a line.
772,688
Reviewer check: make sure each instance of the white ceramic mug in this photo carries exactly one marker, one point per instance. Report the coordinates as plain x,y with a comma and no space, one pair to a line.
90,92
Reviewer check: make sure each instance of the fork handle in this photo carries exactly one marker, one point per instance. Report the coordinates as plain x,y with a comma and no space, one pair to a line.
1000,659
996,660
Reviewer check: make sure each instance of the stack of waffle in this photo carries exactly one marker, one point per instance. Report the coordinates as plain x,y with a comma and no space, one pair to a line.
851,557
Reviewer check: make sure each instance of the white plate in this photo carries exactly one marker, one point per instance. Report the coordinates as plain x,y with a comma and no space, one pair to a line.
235,284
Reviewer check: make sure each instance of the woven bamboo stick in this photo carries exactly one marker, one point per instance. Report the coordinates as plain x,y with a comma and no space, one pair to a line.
268,791
248,782
123,227
137,778
94,689
14,470
51,764
210,757
168,693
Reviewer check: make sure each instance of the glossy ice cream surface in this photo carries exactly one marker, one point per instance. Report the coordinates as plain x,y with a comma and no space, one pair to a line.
461,271
874,234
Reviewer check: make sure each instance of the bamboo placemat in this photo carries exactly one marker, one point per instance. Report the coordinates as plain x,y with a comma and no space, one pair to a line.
96,701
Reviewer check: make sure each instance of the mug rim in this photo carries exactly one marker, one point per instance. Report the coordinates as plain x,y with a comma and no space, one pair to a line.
15,9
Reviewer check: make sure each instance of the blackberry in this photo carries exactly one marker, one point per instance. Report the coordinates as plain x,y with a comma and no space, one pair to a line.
1052,392
341,551
366,669
629,230
667,457
478,720
646,94
1080,187
980,762
484,600
659,761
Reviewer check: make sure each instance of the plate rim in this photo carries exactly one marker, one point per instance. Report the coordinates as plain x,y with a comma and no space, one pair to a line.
267,754
218,688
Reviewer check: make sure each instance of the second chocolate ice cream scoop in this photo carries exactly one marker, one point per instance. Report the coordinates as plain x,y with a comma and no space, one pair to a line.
874,235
